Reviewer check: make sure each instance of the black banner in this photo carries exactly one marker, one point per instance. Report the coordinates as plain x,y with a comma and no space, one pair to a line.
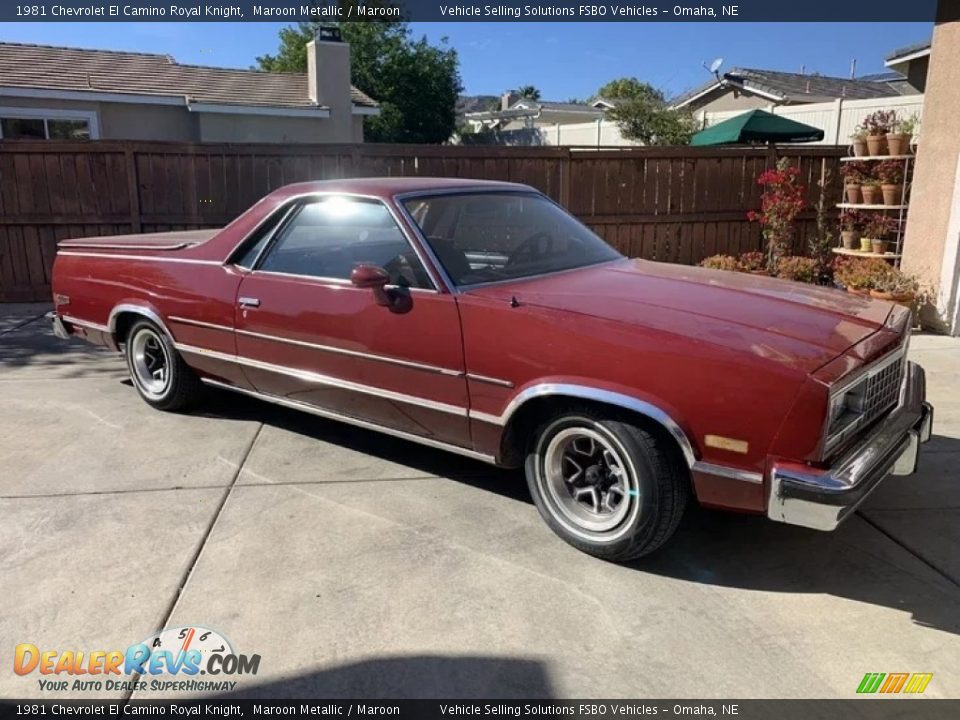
914,708
480,11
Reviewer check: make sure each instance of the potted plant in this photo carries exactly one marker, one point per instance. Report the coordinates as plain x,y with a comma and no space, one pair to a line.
860,275
878,124
851,221
853,174
899,137
890,173
797,268
896,286
753,262
875,231
871,191
859,140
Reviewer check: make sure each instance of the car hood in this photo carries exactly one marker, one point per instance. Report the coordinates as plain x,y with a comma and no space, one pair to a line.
793,322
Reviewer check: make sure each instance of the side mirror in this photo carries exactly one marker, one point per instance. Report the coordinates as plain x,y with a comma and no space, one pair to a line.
376,279
369,276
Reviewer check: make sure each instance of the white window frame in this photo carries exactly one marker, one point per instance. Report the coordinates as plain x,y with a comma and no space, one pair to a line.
91,117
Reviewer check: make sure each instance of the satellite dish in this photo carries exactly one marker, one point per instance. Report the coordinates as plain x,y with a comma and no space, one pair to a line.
715,65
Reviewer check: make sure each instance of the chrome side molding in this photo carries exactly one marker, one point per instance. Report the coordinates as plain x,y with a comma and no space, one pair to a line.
331,415
727,472
320,379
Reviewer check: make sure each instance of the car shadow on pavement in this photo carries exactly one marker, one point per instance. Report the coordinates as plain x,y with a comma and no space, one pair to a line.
35,348
858,561
411,677
225,404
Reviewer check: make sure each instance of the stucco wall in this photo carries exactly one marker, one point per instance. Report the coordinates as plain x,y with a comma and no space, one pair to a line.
216,127
129,121
727,99
934,196
123,121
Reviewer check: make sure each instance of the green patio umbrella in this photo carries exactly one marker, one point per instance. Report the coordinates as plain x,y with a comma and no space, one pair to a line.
757,126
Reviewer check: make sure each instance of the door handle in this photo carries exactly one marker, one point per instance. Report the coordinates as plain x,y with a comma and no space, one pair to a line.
249,302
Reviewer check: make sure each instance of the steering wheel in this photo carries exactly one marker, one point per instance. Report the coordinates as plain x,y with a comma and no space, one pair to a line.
531,249
402,269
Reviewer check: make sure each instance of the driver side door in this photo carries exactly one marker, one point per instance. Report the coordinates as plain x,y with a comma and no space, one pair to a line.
306,334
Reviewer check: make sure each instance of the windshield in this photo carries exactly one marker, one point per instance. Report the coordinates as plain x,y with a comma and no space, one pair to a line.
490,236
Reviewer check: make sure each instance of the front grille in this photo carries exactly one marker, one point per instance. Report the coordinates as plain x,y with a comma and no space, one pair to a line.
881,391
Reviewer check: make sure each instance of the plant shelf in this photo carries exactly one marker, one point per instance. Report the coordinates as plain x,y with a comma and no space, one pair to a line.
877,157
862,206
859,253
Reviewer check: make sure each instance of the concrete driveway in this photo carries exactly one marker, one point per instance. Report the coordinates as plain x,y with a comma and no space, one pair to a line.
359,565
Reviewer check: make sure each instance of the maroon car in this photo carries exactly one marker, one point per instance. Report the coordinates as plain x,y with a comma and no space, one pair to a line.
481,318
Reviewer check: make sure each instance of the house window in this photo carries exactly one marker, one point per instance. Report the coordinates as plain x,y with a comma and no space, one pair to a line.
54,124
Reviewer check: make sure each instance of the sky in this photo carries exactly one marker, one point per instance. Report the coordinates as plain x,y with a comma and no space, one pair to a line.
563,60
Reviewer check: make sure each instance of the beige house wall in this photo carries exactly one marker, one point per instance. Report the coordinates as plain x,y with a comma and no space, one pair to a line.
218,127
727,99
933,225
131,121
123,121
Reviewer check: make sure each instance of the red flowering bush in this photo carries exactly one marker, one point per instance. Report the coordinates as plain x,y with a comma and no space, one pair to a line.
781,202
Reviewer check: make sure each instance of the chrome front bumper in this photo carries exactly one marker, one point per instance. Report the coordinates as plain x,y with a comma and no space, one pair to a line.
822,499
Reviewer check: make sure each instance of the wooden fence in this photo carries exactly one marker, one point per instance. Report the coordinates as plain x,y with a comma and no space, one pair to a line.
674,204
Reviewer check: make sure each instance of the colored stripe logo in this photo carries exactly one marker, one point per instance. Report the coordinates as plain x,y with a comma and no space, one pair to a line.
888,683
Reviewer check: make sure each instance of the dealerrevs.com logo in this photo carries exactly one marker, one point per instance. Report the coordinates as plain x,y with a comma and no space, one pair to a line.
170,660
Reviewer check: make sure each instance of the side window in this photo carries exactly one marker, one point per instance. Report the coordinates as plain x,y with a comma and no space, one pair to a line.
330,237
246,256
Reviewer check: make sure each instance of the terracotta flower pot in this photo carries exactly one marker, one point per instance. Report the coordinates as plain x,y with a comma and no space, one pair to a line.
877,144
858,291
905,299
872,194
854,196
892,194
898,144
859,148
851,239
879,246
866,244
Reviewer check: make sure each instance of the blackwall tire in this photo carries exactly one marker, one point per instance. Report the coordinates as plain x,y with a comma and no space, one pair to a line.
159,374
606,486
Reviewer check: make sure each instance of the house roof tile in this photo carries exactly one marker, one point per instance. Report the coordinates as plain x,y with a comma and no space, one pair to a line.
797,87
63,68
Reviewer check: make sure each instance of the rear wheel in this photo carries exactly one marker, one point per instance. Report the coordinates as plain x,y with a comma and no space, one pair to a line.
158,372
608,487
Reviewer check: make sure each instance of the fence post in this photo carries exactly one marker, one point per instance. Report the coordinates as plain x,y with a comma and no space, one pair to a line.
838,109
565,162
133,188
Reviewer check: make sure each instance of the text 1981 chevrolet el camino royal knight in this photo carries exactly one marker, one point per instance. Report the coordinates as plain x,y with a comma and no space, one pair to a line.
482,319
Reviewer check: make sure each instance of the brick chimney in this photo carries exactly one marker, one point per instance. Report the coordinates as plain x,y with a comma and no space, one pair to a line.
328,80
508,99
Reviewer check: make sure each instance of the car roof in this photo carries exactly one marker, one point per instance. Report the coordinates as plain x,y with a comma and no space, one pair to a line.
387,187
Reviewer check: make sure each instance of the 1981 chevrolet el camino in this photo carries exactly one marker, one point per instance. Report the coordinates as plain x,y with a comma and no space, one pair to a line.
482,319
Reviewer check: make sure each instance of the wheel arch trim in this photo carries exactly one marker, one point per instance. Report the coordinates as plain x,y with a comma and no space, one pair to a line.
137,309
608,397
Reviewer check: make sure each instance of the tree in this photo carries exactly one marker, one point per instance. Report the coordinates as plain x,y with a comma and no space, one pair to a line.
528,91
628,87
415,83
643,114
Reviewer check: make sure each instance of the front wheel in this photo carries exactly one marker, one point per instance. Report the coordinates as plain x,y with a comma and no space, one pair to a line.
608,487
158,372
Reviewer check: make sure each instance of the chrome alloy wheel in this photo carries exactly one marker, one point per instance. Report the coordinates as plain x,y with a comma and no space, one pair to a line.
150,363
588,480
